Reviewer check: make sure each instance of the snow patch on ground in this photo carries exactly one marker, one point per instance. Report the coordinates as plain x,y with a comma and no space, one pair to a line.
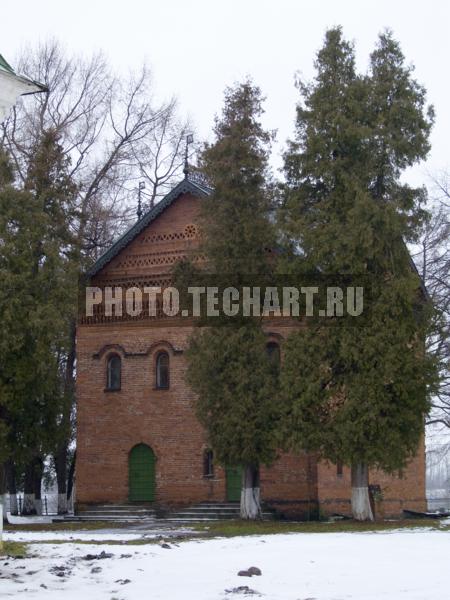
15,520
410,565
92,536
100,535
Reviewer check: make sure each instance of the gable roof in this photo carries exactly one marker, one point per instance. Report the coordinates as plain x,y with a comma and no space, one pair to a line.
186,186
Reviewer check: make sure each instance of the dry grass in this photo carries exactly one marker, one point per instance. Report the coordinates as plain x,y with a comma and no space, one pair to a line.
235,528
13,549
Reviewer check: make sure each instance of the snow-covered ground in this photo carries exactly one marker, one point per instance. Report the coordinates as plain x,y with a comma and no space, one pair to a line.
403,564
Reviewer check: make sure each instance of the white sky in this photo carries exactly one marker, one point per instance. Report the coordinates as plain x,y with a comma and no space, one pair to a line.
197,47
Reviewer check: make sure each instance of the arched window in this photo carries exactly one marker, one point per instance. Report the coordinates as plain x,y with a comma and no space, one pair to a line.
113,372
208,463
273,352
162,371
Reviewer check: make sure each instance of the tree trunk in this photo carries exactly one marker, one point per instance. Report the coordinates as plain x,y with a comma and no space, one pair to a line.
71,476
2,497
62,504
11,484
61,455
250,493
28,507
361,508
61,478
37,473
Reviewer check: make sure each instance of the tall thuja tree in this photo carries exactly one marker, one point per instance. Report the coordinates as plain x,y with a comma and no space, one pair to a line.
228,365
50,180
14,291
353,393
37,286
234,379
6,180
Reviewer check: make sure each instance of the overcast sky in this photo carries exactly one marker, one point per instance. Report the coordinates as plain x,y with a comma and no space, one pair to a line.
197,47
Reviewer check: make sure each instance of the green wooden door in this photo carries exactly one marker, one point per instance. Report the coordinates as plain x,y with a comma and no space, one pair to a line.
142,474
234,483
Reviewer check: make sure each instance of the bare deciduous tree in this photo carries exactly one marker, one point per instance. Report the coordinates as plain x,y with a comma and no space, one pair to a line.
113,130
433,260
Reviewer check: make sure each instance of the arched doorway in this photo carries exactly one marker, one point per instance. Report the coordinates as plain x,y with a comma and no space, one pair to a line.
141,469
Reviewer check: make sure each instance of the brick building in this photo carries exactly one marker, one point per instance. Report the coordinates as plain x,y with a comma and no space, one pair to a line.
137,436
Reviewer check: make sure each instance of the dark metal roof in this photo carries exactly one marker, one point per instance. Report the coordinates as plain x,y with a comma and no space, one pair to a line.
186,186
5,65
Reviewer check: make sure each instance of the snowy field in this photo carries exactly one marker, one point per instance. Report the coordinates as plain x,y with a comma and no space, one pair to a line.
406,564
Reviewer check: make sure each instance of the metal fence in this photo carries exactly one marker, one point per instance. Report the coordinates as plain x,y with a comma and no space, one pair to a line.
49,504
438,504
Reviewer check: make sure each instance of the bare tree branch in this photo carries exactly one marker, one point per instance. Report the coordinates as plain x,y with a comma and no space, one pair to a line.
112,129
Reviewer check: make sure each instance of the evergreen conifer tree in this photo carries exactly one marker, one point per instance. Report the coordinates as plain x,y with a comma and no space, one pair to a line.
228,365
37,287
358,394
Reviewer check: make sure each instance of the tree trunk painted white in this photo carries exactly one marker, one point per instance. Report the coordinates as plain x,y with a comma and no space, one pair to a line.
1,524
62,504
13,505
71,484
250,493
361,508
11,486
61,478
38,506
28,507
3,509
2,493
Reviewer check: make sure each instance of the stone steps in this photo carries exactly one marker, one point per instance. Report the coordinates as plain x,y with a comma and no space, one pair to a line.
116,513
109,518
145,514
209,511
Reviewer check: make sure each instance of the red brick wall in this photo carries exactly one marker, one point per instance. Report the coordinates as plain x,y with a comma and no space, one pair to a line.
290,486
110,423
406,490
154,251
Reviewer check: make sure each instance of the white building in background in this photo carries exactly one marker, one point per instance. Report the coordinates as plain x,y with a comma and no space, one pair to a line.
12,86
438,467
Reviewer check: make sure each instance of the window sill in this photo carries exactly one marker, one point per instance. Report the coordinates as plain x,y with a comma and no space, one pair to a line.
112,390
161,389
